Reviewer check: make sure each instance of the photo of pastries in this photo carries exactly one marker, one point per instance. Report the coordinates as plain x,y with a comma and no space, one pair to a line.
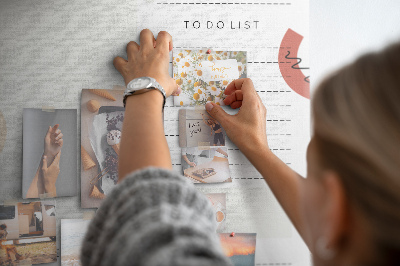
102,114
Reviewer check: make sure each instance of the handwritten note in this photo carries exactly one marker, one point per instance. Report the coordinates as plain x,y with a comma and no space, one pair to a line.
219,70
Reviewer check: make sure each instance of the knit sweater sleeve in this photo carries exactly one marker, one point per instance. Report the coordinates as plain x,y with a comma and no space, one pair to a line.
153,217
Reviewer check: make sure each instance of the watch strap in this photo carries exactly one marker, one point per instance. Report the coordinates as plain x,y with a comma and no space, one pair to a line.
154,86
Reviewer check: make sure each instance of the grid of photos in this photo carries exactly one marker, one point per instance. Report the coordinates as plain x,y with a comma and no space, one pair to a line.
203,74
240,248
102,114
218,202
49,153
28,233
72,234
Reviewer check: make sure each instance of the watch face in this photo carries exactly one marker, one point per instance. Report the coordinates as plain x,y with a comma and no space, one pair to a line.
141,83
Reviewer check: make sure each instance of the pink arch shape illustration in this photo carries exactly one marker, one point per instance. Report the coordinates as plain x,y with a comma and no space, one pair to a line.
289,64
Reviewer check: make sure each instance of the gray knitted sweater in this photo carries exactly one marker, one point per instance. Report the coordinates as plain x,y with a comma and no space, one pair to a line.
153,217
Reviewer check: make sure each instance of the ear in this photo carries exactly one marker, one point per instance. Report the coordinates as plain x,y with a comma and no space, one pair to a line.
337,212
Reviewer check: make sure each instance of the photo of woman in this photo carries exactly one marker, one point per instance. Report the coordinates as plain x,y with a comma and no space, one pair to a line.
217,129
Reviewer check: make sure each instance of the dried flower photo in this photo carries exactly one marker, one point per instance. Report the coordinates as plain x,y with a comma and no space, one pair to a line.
204,76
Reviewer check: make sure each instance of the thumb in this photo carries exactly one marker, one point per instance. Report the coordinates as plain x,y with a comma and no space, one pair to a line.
217,113
44,163
56,159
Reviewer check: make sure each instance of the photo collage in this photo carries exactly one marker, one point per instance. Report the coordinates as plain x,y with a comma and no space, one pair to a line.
28,229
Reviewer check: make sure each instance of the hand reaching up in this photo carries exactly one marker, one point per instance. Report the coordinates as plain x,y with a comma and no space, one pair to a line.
53,143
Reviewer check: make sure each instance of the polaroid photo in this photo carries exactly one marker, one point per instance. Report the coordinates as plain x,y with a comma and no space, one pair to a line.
102,114
208,165
239,248
204,76
218,201
28,233
49,153
72,234
198,128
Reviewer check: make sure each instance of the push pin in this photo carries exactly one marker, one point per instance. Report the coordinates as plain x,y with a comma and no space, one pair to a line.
208,51
232,234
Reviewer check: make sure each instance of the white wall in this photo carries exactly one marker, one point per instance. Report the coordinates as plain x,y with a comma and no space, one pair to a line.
341,30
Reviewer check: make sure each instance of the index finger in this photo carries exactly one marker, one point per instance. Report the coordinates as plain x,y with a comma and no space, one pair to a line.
55,127
164,41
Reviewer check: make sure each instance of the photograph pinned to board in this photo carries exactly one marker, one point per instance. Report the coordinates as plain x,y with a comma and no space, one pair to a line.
206,164
102,114
239,248
218,201
198,128
28,233
204,74
72,234
49,153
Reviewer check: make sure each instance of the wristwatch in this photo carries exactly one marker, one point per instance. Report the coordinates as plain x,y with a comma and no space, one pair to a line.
142,85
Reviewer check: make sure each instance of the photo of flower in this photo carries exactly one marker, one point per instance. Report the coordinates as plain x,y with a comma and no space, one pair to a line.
200,85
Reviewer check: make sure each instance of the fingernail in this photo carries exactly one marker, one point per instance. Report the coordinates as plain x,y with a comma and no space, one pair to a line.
44,157
179,89
209,106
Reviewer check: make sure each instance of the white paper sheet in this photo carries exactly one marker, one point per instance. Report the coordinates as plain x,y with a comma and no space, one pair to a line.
275,36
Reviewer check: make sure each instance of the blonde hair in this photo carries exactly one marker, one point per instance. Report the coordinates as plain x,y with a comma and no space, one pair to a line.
356,115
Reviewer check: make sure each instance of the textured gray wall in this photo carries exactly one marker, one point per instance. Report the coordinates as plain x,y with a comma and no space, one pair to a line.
49,51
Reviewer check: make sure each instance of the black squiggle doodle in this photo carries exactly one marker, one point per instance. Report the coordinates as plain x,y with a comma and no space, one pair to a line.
295,65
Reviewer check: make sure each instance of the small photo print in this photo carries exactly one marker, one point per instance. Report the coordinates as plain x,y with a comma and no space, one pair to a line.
49,153
72,234
208,165
240,248
198,128
102,115
28,233
218,201
204,76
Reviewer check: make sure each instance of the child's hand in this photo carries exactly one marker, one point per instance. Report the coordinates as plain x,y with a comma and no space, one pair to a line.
247,129
150,59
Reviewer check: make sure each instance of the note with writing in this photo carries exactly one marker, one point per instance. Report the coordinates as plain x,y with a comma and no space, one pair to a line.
203,76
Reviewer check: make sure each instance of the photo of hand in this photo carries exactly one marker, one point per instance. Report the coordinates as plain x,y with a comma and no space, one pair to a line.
44,182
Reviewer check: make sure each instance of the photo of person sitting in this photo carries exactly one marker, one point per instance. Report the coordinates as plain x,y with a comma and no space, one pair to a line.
217,129
10,250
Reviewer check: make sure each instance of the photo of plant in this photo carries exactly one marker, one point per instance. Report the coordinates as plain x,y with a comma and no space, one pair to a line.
188,71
